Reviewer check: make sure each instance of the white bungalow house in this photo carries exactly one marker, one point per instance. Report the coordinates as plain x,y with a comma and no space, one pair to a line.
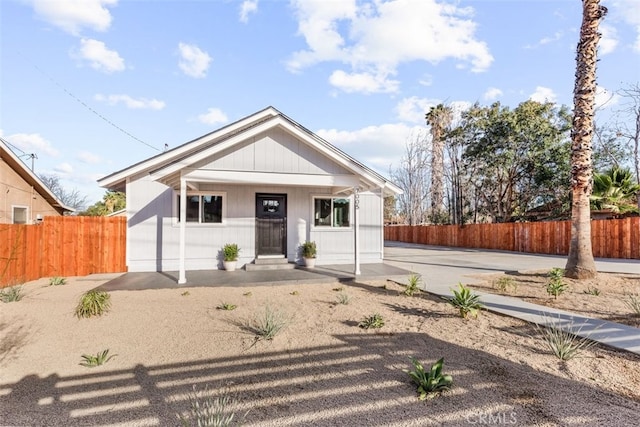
264,182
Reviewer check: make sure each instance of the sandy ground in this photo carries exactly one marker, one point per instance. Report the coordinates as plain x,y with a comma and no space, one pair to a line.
322,370
604,297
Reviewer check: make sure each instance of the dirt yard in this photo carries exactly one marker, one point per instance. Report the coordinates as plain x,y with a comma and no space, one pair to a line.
605,297
321,369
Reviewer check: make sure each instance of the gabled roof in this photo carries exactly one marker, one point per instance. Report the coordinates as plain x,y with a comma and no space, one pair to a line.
173,161
31,178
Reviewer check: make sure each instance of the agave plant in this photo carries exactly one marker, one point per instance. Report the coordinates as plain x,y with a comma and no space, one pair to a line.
91,361
466,301
432,382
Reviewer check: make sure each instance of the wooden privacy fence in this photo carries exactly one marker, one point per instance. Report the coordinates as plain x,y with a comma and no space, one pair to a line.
62,246
610,238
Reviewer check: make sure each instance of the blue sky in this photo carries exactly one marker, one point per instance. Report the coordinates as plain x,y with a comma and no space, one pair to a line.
93,86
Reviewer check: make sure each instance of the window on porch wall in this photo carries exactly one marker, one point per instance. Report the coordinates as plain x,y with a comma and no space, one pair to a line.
331,212
203,208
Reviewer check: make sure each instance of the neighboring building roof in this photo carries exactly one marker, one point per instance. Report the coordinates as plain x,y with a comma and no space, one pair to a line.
169,162
121,212
31,178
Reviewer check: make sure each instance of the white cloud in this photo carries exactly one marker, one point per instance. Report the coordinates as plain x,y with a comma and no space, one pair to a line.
194,62
213,116
363,82
426,80
629,12
247,8
547,40
32,143
376,146
543,94
73,15
64,168
492,93
99,56
375,37
87,157
129,102
609,39
414,109
605,98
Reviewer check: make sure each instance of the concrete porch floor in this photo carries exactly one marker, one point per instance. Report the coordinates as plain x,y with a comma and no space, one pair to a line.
212,278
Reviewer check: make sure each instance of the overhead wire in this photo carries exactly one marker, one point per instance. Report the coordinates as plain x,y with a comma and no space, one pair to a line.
84,104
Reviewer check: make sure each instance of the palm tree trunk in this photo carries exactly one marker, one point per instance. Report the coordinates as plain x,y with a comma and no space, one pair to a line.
580,263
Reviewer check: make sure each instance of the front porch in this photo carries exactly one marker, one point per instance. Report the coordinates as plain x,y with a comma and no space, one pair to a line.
242,278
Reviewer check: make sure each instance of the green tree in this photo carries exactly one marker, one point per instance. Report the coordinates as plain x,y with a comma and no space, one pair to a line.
580,263
515,159
112,201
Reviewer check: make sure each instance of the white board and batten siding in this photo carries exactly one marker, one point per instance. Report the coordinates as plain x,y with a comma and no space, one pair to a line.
154,238
153,235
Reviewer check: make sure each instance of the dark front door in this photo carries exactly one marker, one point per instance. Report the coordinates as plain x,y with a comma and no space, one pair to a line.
271,224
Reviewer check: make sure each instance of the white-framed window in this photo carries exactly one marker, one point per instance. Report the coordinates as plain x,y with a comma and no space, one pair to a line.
331,212
19,214
203,207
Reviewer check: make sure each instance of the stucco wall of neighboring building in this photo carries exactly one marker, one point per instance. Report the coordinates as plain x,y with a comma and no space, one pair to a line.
15,192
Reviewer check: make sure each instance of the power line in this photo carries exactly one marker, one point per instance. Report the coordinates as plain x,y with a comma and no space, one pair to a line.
87,106
32,156
14,147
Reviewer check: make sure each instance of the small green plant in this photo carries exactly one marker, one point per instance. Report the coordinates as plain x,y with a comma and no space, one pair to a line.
208,411
268,324
93,303
247,294
230,252
505,283
633,302
556,285
185,294
339,289
57,281
430,383
592,291
563,340
413,285
343,298
375,321
226,306
91,361
466,301
309,249
294,293
12,294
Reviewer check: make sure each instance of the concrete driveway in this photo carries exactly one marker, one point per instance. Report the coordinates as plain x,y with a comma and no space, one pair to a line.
444,266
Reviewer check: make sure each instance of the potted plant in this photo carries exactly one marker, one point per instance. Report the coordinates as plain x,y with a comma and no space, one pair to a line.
309,251
230,253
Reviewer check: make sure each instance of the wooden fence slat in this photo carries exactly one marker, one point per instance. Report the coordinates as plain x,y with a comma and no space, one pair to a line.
611,238
62,246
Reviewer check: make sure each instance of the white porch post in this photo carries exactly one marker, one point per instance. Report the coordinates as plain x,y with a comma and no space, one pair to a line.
382,222
182,277
356,230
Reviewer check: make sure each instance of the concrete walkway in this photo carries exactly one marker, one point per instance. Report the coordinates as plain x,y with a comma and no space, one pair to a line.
442,268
